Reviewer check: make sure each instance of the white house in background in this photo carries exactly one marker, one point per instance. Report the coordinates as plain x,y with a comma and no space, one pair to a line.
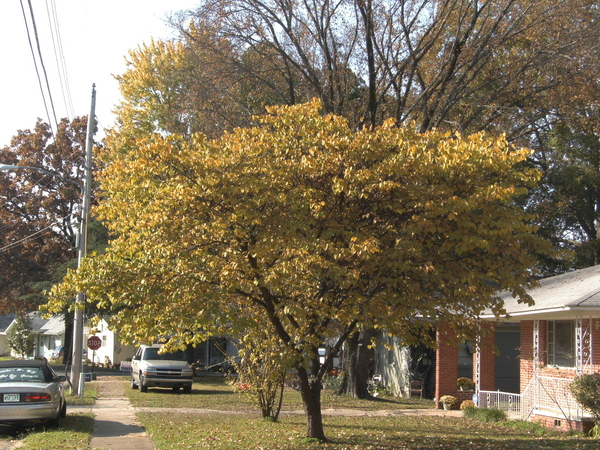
47,333
112,349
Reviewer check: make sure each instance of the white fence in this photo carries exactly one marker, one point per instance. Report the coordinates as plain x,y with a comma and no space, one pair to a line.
508,402
549,394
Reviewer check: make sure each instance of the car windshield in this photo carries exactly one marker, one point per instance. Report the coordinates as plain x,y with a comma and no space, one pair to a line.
152,353
20,374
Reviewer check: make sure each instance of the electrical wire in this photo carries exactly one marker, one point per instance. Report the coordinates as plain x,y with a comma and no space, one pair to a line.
39,49
37,71
31,236
59,58
63,77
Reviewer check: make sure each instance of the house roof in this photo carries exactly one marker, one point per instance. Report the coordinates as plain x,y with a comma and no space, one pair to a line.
5,321
568,295
53,326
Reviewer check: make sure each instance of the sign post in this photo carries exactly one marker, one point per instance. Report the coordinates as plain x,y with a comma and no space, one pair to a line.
94,343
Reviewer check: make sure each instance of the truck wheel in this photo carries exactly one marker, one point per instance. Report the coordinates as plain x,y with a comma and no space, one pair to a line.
187,389
133,385
142,387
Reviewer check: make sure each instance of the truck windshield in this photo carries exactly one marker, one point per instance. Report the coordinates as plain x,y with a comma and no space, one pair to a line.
152,353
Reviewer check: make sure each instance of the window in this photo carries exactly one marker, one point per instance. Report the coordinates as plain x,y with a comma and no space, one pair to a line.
561,343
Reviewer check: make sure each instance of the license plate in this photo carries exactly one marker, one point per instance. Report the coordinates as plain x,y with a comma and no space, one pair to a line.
11,398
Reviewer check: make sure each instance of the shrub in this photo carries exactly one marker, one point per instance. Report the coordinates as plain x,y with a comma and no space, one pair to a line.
261,372
486,415
19,339
586,390
332,383
467,404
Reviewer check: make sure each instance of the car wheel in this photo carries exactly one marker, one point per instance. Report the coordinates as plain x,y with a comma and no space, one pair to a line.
63,411
187,389
176,388
143,388
55,423
133,385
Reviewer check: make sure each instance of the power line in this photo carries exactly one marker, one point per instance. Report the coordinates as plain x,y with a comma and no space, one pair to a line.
41,59
37,40
59,58
31,236
36,66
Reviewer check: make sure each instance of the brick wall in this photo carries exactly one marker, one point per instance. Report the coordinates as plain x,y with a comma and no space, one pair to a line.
554,390
487,354
526,354
446,362
561,424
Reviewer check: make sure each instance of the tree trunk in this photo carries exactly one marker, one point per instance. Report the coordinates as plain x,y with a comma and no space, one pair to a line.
310,390
355,365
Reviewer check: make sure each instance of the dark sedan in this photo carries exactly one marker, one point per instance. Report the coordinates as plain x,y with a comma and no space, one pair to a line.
30,391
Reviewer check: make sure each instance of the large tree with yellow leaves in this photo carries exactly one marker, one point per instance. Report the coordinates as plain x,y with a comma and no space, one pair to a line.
308,229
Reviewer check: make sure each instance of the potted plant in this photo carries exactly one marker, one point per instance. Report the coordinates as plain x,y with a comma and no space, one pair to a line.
464,383
448,401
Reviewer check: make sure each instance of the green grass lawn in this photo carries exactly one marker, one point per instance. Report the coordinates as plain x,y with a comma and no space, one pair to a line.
214,393
74,433
90,392
226,432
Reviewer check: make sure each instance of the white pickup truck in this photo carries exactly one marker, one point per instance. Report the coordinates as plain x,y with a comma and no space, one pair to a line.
149,368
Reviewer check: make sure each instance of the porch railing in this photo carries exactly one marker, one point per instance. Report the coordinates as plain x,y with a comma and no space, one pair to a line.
508,402
551,394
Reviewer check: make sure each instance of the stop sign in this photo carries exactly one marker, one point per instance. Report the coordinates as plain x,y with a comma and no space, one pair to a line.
94,342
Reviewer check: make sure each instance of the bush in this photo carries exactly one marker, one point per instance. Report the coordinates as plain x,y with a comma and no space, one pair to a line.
486,415
586,390
261,372
19,339
332,383
467,404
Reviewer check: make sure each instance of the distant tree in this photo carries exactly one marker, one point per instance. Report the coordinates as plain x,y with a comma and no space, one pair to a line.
569,202
445,64
19,338
38,212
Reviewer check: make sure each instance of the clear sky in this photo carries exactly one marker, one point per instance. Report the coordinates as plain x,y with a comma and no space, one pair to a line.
96,36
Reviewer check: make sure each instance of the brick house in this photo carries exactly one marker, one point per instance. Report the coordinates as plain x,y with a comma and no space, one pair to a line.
558,339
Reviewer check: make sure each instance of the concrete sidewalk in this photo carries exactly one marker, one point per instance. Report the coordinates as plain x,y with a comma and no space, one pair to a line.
115,424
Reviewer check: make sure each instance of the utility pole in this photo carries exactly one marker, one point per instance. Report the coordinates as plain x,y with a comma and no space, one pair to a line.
77,375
